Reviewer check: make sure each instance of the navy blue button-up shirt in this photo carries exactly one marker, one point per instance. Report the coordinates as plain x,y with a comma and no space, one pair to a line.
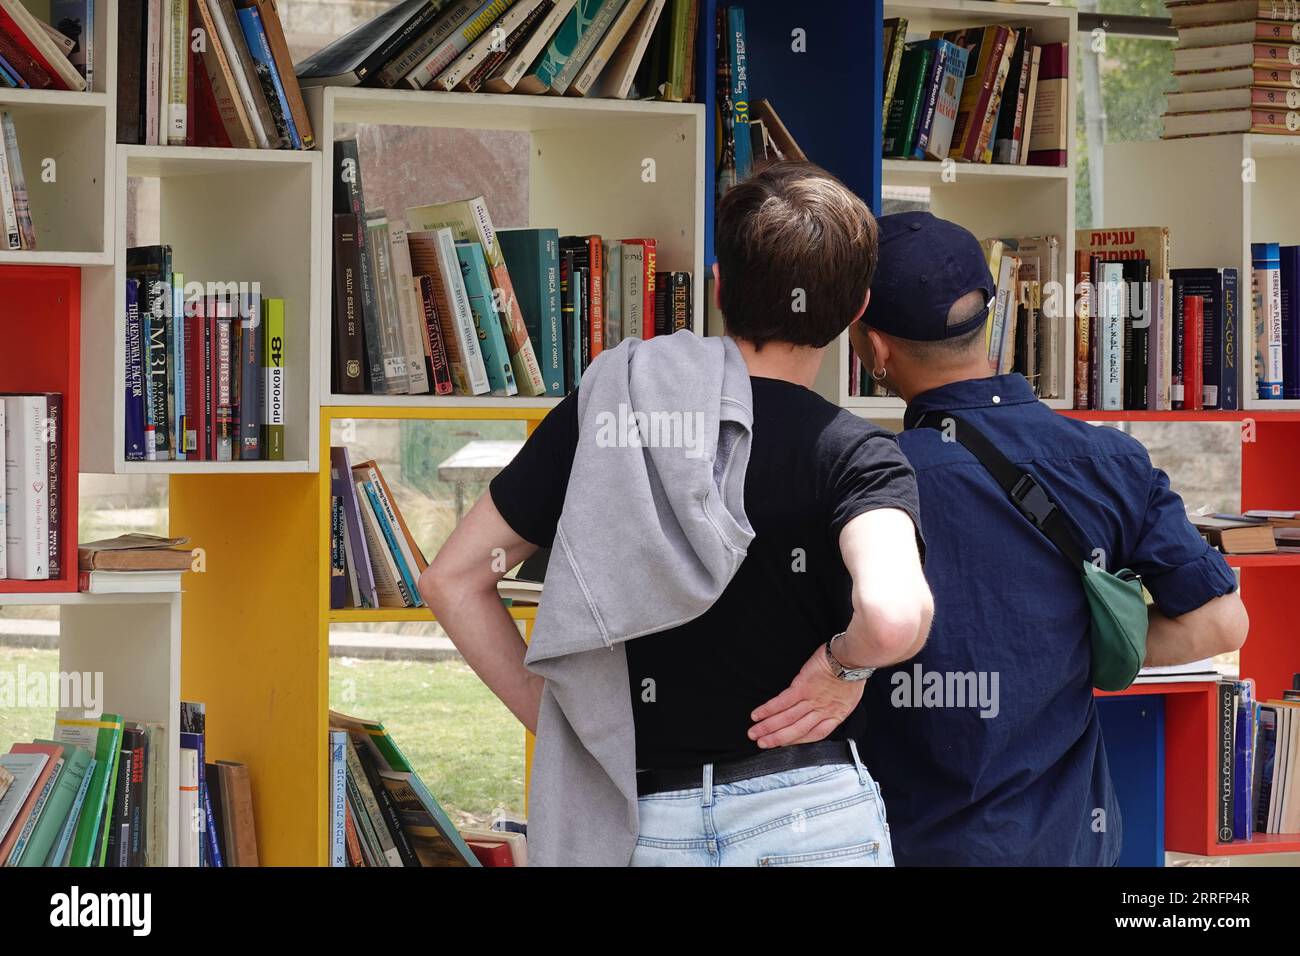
987,745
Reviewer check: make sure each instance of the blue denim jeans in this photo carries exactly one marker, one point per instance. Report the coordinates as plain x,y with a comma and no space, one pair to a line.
816,816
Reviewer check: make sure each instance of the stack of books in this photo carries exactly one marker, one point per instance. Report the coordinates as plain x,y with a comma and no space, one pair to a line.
236,88
133,564
1252,532
977,95
1022,335
31,516
205,366
1235,68
381,813
440,302
605,48
15,207
1258,748
58,55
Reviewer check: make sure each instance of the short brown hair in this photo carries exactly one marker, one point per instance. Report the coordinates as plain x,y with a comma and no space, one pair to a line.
796,254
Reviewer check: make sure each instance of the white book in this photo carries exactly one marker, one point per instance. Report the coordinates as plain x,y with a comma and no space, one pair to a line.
382,565
512,70
178,72
338,797
26,488
392,342
131,582
606,48
633,277
410,307
616,80
462,317
1110,336
165,53
236,61
1281,768
1290,811
153,76
13,237
390,513
4,561
25,768
1003,303
434,50
191,824
158,802
488,42
466,24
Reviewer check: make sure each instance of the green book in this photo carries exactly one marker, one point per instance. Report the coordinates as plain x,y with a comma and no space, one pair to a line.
59,805
392,755
586,16
101,736
905,109
487,321
273,382
533,258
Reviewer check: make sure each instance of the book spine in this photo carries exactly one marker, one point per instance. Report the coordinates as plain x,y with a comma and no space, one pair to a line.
259,49
989,119
235,117
1289,295
596,303
273,381
349,197
251,377
130,52
138,804
1193,349
135,375
613,286
497,55
63,844
54,481
1111,335
284,70
424,40
930,97
1158,330
178,61
1224,730
1230,381
195,358
27,71
439,364
225,363
349,346
736,50
410,310
13,238
507,76
246,83
1243,810
490,41
1084,297
473,22
26,470
1211,359
178,366
338,559
681,311
1266,280
405,576
119,823
462,316
487,322
391,341
170,352
633,309
338,798
1178,332
589,36
895,35
568,316
22,202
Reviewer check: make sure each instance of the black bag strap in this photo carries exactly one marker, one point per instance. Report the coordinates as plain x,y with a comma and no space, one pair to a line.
1030,498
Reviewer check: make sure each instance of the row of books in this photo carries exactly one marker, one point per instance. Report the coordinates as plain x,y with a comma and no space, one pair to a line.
1253,532
1022,333
133,564
1258,748
382,814
749,131
205,376
96,794
978,95
1234,68
441,302
602,48
207,73
40,55
15,206
31,483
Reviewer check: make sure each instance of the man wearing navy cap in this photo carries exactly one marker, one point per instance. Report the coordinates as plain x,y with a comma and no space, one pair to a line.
987,744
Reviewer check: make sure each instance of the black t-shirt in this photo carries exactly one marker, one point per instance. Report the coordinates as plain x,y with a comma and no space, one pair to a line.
812,468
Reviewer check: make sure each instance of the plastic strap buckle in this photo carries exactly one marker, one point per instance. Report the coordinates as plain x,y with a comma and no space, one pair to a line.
1029,496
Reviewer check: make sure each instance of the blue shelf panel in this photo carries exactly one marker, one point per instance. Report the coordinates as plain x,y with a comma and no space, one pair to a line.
828,96
1133,731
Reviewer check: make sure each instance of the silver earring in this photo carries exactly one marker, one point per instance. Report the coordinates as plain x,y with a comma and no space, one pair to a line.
878,374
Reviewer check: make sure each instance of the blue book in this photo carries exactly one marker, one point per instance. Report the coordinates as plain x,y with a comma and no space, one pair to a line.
390,537
176,356
739,90
1243,822
136,380
1265,762
482,304
1230,382
533,259
1266,287
1290,289
250,21
945,58
11,77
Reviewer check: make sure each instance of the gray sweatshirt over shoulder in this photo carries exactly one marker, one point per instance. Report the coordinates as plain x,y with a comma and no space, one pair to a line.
652,531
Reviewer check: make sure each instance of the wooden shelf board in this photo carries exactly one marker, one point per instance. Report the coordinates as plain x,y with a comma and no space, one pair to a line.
58,598
212,467
52,98
172,161
916,172
398,615
54,257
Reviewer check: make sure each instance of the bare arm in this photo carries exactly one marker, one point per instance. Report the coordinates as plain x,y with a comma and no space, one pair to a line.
892,610
1216,627
460,587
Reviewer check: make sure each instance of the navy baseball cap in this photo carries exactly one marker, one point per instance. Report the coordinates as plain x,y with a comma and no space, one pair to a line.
926,264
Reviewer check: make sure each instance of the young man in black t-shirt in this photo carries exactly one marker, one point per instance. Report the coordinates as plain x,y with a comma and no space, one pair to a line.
746,717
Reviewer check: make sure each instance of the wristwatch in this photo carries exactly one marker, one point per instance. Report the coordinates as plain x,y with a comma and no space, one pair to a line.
842,672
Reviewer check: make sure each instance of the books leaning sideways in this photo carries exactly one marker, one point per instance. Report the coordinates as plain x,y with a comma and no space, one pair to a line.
1257,745
32,518
985,94
381,813
205,370
1237,68
133,564
57,54
622,49
96,793
441,302
15,205
237,88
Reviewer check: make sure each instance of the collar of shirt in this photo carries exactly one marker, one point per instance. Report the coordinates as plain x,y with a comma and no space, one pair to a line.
996,390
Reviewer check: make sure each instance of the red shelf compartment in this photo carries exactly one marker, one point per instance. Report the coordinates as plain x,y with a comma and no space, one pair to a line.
40,324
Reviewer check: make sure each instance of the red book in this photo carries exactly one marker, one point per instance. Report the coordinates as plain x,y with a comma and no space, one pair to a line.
16,33
29,70
195,339
492,854
1049,132
203,123
596,317
439,368
1193,350
648,265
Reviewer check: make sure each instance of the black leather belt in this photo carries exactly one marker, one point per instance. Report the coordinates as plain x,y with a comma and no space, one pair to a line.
779,760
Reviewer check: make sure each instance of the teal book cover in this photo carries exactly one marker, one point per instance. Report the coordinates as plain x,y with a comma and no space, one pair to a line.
491,338
533,258
553,60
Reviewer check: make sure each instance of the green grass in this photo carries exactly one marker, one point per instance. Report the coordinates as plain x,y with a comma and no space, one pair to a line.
465,745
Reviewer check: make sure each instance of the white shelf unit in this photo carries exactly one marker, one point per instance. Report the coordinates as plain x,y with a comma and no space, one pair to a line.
134,642
990,200
1202,189
230,215
65,141
585,176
